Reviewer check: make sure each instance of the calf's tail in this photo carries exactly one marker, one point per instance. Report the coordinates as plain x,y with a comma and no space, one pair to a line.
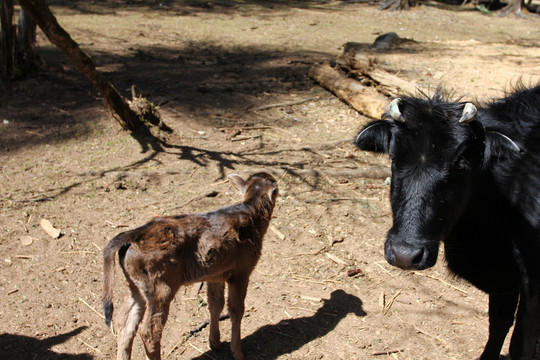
109,252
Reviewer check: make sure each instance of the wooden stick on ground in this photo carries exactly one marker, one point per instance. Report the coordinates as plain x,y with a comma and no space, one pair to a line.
298,102
210,193
441,280
192,332
391,302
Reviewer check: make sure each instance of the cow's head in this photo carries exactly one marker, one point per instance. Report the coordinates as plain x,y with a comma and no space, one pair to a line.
437,150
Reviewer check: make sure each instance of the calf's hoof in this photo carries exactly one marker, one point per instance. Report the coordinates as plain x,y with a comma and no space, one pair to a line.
216,345
238,355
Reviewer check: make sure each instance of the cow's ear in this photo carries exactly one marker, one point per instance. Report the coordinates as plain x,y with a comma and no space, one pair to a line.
375,137
238,183
499,147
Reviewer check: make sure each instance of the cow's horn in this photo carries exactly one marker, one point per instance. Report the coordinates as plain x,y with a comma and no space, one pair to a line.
394,110
469,111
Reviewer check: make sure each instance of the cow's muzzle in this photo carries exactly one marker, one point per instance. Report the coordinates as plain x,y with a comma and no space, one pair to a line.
407,257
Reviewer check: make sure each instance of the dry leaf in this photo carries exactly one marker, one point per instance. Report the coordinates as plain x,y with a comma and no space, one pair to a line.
49,229
26,240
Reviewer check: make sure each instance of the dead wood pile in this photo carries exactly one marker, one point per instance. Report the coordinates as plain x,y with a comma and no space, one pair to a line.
357,78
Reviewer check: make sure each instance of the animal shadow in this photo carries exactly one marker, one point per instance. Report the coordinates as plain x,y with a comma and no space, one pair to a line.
20,347
272,341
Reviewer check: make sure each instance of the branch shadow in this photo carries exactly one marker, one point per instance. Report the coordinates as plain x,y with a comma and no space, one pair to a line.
273,341
22,347
196,81
188,7
229,160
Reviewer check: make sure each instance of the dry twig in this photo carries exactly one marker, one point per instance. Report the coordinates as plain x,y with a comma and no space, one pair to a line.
202,352
192,332
91,308
298,102
441,280
442,341
91,347
335,259
308,253
387,352
210,193
246,138
388,305
335,200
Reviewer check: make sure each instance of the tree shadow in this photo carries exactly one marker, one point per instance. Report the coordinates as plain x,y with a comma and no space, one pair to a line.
198,82
229,160
225,161
273,341
187,7
20,347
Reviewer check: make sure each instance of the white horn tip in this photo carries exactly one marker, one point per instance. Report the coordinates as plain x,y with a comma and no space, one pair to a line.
469,111
394,111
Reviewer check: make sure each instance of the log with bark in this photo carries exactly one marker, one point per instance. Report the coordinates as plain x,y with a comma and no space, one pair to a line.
362,63
357,80
365,99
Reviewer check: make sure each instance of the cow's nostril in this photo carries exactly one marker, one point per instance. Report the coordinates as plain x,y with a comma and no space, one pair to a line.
418,257
406,257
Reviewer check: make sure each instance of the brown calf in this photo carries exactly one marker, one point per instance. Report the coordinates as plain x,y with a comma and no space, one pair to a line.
215,247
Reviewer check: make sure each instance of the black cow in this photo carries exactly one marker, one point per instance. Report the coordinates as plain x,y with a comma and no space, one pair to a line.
469,177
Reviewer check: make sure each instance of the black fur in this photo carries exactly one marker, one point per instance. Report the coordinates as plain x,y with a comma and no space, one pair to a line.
476,187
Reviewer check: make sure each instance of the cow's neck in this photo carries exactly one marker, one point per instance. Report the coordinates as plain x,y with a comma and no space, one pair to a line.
472,248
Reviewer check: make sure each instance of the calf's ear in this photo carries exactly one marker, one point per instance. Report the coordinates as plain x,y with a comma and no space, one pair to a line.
238,183
273,193
499,147
375,137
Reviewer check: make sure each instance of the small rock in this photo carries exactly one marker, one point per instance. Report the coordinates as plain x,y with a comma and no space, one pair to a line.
50,229
26,240
385,41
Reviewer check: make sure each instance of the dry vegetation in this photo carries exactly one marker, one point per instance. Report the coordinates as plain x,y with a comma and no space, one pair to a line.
232,81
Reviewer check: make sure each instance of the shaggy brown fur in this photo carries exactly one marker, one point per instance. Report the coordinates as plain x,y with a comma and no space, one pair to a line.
217,247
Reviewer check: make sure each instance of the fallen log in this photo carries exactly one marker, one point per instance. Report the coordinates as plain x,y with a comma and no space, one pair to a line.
355,56
393,84
362,63
366,100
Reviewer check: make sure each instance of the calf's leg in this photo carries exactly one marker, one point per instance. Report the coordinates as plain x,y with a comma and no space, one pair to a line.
128,320
216,302
502,308
155,317
237,295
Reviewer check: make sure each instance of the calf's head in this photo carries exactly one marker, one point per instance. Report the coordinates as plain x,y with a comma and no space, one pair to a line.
437,149
257,186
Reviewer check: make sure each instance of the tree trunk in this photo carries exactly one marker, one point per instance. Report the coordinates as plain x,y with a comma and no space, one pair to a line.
26,39
398,4
47,22
516,7
7,41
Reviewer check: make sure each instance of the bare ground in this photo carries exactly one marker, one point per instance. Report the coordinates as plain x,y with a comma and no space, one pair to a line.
214,69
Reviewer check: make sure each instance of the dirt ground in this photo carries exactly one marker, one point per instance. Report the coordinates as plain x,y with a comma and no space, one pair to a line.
219,72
